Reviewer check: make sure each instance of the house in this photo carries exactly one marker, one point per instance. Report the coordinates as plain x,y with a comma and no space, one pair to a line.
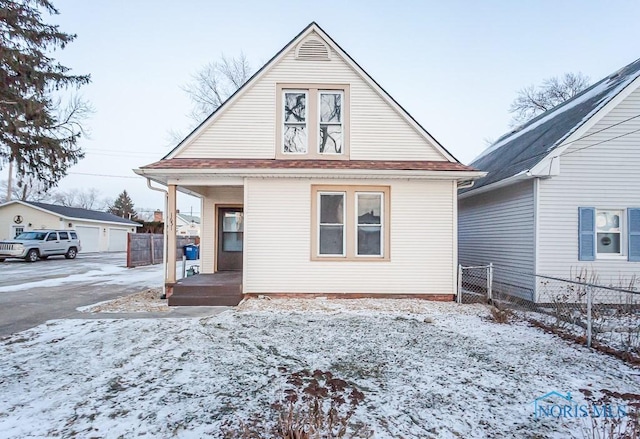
98,231
315,182
562,193
187,225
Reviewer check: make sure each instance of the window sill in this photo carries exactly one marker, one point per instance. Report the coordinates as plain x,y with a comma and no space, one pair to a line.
611,258
351,259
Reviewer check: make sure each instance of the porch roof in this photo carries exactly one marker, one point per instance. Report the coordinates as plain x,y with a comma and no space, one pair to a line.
266,164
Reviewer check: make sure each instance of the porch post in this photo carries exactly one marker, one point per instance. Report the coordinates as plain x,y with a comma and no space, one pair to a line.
171,236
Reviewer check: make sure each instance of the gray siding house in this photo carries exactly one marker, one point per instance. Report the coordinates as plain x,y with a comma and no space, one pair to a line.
562,193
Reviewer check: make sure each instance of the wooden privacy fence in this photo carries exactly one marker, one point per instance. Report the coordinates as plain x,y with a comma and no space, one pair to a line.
147,248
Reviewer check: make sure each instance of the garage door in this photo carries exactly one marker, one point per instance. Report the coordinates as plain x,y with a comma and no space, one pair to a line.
89,238
117,240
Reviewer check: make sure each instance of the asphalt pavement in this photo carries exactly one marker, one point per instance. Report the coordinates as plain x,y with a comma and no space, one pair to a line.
33,293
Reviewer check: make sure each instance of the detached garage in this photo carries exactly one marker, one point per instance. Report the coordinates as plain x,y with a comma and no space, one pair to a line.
98,231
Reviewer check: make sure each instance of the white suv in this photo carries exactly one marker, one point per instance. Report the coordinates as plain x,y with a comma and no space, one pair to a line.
40,244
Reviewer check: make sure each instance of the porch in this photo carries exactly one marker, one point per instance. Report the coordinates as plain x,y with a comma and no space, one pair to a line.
223,288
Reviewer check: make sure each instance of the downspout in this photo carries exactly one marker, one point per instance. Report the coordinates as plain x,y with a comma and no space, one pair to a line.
165,237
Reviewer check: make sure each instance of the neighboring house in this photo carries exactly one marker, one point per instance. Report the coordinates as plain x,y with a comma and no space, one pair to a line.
98,231
314,181
187,225
562,192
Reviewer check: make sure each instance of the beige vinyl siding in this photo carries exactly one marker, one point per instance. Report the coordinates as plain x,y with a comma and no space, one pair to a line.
498,227
246,129
278,239
37,218
605,176
214,196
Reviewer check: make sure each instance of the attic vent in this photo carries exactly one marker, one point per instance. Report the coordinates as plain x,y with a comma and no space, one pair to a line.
313,49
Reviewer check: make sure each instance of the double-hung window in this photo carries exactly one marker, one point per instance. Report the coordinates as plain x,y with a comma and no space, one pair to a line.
331,119
608,234
295,132
313,121
350,223
331,236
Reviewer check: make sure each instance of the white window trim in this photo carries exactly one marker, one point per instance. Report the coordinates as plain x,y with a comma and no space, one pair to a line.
344,225
624,244
341,124
306,120
382,225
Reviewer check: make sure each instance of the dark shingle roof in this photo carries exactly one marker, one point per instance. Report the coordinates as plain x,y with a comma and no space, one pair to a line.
76,212
520,150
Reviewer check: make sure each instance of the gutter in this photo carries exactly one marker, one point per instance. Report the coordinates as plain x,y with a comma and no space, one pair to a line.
524,175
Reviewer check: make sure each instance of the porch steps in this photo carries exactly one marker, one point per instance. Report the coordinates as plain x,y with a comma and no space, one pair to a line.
218,289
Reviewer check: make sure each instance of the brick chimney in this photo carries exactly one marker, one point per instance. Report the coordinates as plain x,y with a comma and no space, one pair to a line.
157,216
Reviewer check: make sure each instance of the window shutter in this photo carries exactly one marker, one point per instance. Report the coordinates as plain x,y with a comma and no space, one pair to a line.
586,234
634,234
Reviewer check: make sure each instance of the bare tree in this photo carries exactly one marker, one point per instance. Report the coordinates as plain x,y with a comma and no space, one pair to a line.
25,189
83,198
215,82
534,100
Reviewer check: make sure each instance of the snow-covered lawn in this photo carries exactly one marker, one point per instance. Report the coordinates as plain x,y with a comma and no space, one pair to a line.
426,370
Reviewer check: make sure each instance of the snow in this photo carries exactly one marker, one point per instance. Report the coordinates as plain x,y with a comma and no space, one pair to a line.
595,91
427,370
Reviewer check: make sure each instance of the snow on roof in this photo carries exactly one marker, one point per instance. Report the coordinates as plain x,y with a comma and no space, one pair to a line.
520,150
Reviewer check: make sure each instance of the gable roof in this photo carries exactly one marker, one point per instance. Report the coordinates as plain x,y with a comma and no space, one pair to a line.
520,150
312,27
78,213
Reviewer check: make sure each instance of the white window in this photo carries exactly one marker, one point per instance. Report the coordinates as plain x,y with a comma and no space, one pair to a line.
331,222
609,232
369,236
350,223
295,132
330,128
312,121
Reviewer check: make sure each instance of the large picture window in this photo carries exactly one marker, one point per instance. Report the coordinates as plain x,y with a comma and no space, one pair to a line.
350,223
313,121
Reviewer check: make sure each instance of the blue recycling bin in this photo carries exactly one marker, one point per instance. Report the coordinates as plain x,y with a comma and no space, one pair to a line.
191,252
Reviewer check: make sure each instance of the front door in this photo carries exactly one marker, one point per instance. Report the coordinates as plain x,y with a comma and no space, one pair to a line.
230,238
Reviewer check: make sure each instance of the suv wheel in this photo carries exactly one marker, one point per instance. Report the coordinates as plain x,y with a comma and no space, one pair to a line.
71,253
32,255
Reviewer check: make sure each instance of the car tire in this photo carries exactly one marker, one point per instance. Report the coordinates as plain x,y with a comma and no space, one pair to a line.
71,253
32,255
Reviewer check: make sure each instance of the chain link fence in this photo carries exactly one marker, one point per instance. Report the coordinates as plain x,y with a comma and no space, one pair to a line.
581,308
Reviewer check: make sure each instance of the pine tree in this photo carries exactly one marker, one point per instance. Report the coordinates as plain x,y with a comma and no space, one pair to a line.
123,206
38,132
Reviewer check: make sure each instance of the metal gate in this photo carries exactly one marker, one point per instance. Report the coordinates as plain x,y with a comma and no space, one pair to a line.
475,284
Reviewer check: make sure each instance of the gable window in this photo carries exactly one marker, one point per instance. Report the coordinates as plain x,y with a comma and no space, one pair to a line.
295,122
313,121
608,234
330,141
350,223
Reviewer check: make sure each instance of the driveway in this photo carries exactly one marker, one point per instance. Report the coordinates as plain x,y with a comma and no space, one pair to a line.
32,293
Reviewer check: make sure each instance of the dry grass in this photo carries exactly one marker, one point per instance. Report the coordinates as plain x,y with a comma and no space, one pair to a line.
144,301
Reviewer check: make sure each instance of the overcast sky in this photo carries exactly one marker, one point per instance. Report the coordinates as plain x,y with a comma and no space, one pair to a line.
454,65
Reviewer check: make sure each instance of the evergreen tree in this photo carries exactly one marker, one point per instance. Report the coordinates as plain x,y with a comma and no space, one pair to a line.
38,132
123,207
